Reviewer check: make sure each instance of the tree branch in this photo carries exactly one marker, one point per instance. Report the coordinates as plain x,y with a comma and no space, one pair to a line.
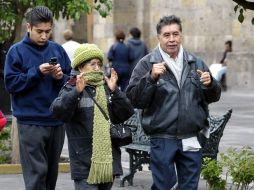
245,4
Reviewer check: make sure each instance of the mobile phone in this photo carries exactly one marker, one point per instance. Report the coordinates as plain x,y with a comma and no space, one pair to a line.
53,61
107,70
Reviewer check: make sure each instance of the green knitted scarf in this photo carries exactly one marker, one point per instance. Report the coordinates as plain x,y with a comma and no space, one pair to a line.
101,170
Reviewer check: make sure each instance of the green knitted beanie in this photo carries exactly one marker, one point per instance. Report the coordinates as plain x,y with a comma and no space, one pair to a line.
86,52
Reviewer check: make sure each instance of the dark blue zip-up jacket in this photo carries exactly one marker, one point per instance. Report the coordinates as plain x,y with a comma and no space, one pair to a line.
31,91
170,110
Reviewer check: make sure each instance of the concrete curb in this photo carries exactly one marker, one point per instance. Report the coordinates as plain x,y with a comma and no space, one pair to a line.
16,168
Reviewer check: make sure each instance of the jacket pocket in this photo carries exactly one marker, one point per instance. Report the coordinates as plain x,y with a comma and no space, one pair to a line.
195,90
80,152
147,117
194,119
196,82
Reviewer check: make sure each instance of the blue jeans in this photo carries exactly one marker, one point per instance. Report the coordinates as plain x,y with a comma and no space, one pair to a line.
167,159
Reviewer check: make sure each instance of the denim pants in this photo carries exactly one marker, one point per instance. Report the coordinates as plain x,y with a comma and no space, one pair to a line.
169,164
40,150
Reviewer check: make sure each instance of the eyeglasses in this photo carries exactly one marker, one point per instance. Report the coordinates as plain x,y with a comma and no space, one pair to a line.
95,65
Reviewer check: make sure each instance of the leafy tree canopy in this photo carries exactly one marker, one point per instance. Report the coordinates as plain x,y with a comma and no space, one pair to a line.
241,7
12,12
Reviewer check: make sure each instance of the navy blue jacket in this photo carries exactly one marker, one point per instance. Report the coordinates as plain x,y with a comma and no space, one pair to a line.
170,110
121,56
31,92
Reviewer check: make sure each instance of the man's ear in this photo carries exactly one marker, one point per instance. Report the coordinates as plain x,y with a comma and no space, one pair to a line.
28,27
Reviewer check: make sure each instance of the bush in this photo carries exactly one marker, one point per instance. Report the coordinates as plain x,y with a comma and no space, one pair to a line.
237,164
240,166
212,172
5,146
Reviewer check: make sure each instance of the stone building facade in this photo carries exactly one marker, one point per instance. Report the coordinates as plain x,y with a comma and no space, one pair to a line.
207,24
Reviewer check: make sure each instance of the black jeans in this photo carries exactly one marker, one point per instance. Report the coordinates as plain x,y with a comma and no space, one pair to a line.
40,150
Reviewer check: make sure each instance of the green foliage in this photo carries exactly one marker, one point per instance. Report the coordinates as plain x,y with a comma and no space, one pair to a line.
5,146
235,8
242,9
12,12
8,23
211,172
238,164
241,18
74,10
104,7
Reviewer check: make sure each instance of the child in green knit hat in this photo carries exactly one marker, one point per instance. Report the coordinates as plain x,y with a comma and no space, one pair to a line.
94,160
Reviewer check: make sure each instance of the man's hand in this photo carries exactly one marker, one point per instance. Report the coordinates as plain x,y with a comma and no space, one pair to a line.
54,70
57,73
80,82
205,78
157,70
46,68
111,82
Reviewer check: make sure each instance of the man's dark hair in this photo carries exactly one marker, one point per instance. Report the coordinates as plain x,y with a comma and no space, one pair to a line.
168,20
229,42
120,36
39,14
135,32
68,35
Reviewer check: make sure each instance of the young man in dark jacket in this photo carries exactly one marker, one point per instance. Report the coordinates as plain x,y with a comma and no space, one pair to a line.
34,83
173,88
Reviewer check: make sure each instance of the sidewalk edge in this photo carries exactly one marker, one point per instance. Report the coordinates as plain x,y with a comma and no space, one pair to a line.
16,168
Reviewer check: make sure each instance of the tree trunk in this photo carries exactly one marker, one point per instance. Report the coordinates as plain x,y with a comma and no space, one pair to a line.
15,159
18,30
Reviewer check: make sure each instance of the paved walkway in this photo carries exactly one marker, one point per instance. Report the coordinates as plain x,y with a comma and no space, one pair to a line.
142,181
238,132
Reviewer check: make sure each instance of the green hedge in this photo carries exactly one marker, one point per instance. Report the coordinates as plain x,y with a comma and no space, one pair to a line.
5,145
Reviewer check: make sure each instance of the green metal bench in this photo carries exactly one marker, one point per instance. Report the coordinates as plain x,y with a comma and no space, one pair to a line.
139,150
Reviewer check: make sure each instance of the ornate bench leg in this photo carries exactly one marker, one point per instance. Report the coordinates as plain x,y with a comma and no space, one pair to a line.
137,158
132,170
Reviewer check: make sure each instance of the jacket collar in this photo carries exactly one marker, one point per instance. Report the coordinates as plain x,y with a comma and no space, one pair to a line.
188,59
157,58
28,41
